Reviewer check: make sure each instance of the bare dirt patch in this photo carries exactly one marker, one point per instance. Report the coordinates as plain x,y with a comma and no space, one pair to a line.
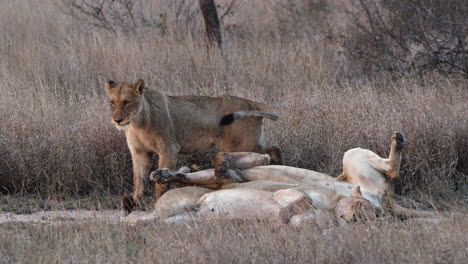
54,217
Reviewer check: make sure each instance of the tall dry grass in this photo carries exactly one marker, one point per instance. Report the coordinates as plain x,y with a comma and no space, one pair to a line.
56,138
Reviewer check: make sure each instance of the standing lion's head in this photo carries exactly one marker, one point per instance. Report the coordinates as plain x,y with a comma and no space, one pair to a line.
125,101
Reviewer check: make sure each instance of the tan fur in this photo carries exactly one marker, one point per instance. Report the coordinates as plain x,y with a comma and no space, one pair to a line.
174,205
371,172
168,125
368,170
248,201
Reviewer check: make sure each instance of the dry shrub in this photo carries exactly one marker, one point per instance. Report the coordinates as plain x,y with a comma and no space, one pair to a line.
133,17
403,37
56,137
300,18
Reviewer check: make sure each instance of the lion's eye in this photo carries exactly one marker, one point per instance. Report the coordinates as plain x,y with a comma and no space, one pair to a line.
112,103
125,103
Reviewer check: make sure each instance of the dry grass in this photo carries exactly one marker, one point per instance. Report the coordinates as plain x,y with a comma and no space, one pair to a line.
57,141
236,242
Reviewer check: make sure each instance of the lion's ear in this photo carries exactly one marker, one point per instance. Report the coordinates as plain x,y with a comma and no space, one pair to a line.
139,86
109,85
357,192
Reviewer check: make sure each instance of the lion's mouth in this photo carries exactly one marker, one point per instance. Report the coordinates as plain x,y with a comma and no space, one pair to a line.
121,126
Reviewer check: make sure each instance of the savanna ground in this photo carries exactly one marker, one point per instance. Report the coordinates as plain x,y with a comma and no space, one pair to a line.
59,150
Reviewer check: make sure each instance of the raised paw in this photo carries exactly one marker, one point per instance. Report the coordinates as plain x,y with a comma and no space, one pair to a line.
165,176
399,140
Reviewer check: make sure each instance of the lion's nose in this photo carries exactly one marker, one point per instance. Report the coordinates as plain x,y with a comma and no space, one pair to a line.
118,120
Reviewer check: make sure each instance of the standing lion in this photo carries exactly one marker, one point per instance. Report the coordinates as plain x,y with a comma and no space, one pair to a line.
170,125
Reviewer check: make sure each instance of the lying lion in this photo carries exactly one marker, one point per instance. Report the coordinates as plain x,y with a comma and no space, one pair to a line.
281,192
172,125
262,199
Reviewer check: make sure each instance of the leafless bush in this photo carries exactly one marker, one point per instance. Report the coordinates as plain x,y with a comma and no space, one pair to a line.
229,8
131,16
301,17
136,16
409,36
114,16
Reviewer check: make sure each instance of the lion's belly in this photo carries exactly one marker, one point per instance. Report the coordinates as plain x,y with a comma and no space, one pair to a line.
239,204
198,141
200,145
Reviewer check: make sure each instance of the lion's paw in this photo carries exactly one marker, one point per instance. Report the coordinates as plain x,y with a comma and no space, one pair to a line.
399,140
165,176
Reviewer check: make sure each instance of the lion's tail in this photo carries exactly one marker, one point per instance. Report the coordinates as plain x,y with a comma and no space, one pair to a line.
233,117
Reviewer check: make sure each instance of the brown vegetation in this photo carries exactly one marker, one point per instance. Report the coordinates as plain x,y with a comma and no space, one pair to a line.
57,140
57,137
402,37
236,242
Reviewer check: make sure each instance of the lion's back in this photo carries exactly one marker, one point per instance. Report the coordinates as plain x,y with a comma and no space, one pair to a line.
223,105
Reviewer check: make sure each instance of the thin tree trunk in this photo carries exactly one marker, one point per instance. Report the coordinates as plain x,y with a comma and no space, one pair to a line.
212,25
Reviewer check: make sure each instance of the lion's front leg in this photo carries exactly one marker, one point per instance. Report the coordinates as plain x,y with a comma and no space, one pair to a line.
167,160
141,169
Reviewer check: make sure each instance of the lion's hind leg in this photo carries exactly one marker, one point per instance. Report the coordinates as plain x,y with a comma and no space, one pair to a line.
390,166
225,161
